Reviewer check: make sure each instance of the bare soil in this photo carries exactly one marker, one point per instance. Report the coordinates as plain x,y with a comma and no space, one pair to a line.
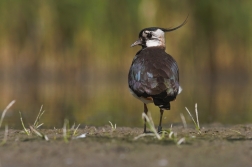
216,145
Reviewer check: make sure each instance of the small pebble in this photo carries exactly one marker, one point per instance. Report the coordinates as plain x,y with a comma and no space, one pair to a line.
163,162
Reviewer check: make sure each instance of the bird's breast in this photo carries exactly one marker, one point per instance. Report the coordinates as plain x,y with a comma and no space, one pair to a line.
152,72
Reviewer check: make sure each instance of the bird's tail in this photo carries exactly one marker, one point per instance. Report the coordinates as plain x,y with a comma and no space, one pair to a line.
162,104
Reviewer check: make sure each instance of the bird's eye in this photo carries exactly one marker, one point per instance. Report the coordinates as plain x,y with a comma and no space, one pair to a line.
149,35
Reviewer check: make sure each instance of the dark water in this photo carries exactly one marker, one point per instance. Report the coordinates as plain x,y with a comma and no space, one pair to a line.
97,103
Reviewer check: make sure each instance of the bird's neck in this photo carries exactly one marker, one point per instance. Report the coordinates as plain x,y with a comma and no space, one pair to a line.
159,42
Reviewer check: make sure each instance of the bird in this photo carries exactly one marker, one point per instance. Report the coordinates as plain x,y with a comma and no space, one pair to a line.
154,74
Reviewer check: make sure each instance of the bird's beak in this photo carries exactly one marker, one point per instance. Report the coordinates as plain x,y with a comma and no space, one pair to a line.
138,42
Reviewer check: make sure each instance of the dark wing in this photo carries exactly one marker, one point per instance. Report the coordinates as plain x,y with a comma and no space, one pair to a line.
154,73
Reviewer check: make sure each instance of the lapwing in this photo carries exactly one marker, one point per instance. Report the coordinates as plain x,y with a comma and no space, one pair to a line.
154,74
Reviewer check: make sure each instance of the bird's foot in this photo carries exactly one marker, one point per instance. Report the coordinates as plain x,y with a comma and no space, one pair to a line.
159,129
147,131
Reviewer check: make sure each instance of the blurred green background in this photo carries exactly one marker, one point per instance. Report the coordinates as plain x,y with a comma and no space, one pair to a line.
73,57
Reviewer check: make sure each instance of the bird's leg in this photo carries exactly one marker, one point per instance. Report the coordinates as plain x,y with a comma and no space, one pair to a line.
160,121
145,111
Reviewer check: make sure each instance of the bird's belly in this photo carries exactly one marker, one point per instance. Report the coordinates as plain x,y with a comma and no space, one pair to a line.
145,100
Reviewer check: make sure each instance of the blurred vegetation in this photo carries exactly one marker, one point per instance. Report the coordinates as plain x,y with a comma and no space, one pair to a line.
73,57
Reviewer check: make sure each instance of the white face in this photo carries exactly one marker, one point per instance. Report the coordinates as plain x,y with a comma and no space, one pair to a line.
157,38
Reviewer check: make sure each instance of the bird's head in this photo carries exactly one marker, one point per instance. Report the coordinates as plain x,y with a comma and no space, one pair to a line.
154,36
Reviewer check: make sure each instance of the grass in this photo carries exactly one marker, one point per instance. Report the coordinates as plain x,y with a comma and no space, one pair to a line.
5,110
151,125
72,133
36,122
113,127
39,133
165,134
36,125
236,131
170,133
66,131
27,131
196,123
5,136
183,120
6,126
75,129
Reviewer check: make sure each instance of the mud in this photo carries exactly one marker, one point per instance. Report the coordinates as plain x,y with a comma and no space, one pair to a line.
216,145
